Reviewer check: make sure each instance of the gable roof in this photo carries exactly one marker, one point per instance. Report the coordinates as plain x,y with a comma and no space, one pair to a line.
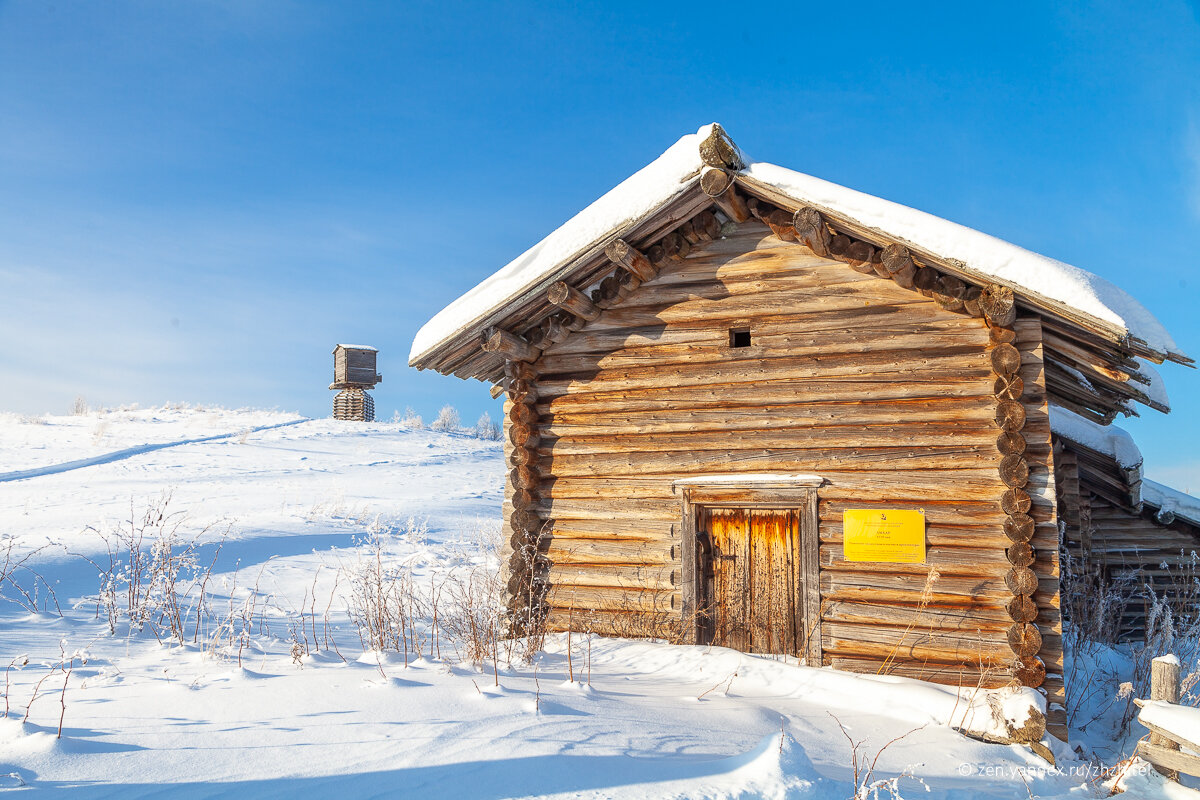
665,193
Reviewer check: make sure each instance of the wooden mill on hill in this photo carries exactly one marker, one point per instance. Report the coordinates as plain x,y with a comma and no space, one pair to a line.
752,408
354,373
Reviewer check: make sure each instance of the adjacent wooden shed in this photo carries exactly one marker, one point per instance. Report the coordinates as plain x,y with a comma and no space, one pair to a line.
748,407
1138,538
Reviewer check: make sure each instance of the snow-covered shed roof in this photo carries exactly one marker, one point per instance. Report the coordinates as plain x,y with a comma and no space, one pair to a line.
1117,444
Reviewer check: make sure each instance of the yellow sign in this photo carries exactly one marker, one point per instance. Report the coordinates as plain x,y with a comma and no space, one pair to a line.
891,536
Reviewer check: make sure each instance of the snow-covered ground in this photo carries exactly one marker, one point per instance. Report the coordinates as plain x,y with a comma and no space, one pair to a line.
295,506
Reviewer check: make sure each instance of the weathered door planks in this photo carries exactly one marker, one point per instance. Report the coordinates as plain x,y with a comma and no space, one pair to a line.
756,599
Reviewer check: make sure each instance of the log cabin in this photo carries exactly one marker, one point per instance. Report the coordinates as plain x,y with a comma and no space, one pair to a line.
751,408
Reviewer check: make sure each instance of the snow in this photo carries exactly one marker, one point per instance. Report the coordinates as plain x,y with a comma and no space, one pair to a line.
980,252
664,178
1181,721
1156,389
356,347
640,719
1171,500
1107,439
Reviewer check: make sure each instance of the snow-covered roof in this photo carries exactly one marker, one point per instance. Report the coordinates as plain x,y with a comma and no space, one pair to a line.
641,193
1108,440
1171,501
675,171
355,347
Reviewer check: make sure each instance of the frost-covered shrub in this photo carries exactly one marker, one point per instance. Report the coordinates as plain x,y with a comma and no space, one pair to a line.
154,577
80,407
447,419
411,419
486,429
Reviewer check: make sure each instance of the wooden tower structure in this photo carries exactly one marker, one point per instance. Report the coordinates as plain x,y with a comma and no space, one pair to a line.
353,374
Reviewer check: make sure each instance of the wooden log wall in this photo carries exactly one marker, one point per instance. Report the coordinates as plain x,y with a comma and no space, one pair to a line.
867,382
1141,551
1043,543
354,404
522,567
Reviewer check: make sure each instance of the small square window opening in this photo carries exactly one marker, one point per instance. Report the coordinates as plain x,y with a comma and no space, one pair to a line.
739,337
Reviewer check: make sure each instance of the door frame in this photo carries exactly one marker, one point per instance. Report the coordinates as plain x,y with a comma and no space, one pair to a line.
755,492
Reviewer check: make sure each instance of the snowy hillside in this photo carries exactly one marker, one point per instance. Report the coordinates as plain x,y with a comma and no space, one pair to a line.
278,522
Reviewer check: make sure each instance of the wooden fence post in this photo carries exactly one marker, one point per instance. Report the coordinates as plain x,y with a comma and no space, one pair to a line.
1164,685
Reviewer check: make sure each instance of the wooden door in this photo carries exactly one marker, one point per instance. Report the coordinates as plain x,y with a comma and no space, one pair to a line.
755,598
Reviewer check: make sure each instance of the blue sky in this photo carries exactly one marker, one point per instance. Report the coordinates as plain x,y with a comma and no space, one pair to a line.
197,200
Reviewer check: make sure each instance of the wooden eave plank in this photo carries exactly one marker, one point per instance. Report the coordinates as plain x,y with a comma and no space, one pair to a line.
1027,298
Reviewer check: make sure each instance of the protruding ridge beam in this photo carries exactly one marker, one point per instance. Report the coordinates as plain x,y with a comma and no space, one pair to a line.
718,184
626,255
509,345
570,299
718,150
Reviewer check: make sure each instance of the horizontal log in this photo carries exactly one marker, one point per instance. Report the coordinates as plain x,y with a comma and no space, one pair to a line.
1019,527
978,562
818,460
925,281
1168,758
1020,554
1022,609
675,247
1030,672
959,414
613,598
1025,639
1014,471
971,301
522,413
646,577
707,226
969,617
1008,388
1011,443
1005,359
562,551
519,371
508,345
649,440
998,305
812,231
915,598
626,255
523,436
1021,580
901,644
572,300
1010,415
955,674
949,293
665,624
